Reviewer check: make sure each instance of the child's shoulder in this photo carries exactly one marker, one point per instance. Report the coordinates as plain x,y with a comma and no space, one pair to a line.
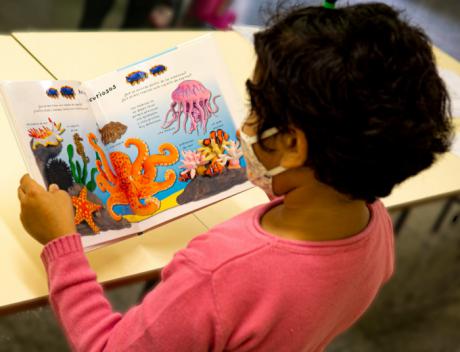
229,241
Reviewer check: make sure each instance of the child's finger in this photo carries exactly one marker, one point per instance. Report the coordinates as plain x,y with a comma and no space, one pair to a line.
21,195
53,188
27,184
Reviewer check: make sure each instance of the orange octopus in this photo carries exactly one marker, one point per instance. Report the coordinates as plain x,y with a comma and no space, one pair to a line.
132,182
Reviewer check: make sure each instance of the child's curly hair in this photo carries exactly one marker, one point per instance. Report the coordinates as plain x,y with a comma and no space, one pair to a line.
363,86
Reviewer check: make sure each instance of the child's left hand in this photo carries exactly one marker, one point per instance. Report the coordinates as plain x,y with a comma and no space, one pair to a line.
46,215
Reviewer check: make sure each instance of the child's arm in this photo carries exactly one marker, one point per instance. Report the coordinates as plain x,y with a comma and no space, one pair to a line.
179,315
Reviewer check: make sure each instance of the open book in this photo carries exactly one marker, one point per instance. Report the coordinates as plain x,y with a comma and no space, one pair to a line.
136,147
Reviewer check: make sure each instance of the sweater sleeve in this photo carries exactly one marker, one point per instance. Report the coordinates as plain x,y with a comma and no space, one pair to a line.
178,315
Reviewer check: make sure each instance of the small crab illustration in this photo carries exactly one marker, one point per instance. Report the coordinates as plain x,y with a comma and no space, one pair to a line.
158,70
67,92
136,77
52,93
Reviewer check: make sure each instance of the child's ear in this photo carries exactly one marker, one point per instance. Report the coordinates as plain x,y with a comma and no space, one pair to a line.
294,147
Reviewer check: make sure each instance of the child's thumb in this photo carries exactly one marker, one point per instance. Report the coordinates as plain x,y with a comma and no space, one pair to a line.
53,188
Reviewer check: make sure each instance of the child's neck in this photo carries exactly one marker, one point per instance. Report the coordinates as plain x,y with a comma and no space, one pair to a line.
312,211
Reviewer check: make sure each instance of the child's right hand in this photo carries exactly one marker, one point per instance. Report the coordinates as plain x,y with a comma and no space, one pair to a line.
45,215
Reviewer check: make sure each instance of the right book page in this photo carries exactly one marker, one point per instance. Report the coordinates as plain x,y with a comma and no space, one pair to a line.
167,141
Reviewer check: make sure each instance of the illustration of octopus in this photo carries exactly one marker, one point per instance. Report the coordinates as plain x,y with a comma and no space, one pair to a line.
136,77
193,100
67,92
130,183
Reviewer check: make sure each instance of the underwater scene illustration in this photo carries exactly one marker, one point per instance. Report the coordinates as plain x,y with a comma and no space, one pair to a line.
112,189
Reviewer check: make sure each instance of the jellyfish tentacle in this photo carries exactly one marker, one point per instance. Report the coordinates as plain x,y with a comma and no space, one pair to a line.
216,107
179,113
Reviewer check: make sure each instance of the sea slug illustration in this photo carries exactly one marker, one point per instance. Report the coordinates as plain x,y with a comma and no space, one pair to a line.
232,157
132,182
52,93
136,77
84,210
158,70
112,132
193,100
45,136
193,163
67,92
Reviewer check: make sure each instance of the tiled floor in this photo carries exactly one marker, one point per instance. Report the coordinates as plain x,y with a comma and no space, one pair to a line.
419,310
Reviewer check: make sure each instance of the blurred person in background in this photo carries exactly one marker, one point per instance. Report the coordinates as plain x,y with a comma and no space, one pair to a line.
161,13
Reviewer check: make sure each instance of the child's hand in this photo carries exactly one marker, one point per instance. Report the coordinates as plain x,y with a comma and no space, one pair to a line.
45,215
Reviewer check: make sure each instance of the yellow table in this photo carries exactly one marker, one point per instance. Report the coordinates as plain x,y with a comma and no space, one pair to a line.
83,56
23,277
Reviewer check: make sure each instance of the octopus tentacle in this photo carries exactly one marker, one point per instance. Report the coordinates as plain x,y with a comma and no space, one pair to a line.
114,199
142,154
170,178
107,171
161,160
104,184
151,205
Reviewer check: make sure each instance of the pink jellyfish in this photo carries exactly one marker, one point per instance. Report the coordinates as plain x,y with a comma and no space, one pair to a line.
193,100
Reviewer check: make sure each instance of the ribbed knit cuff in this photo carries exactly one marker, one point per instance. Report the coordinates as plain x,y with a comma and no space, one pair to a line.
60,247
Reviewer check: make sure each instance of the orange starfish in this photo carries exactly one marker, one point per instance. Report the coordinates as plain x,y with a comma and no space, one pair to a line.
84,210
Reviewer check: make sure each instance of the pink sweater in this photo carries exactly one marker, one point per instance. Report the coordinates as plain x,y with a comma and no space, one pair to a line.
234,288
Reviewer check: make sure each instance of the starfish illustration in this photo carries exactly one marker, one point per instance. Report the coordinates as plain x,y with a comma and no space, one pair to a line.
84,210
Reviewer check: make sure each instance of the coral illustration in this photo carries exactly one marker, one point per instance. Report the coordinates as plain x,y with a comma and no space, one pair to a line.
112,132
136,77
233,155
213,168
193,100
133,182
212,148
79,173
84,210
191,163
45,136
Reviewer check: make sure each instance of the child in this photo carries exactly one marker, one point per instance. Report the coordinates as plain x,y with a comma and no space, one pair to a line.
345,104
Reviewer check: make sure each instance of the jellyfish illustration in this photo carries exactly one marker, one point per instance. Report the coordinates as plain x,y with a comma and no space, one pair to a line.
193,100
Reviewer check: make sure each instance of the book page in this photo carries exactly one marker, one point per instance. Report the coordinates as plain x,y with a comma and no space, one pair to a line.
51,121
168,126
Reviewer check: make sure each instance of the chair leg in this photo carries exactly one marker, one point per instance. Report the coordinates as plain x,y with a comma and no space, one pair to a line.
150,285
401,220
442,215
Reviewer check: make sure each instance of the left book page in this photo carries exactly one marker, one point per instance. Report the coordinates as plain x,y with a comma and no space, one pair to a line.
52,121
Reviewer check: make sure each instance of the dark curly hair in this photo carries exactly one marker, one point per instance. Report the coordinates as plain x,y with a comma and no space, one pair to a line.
363,86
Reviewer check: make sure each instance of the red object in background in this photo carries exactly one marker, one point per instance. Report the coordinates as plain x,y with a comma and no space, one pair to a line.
214,12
